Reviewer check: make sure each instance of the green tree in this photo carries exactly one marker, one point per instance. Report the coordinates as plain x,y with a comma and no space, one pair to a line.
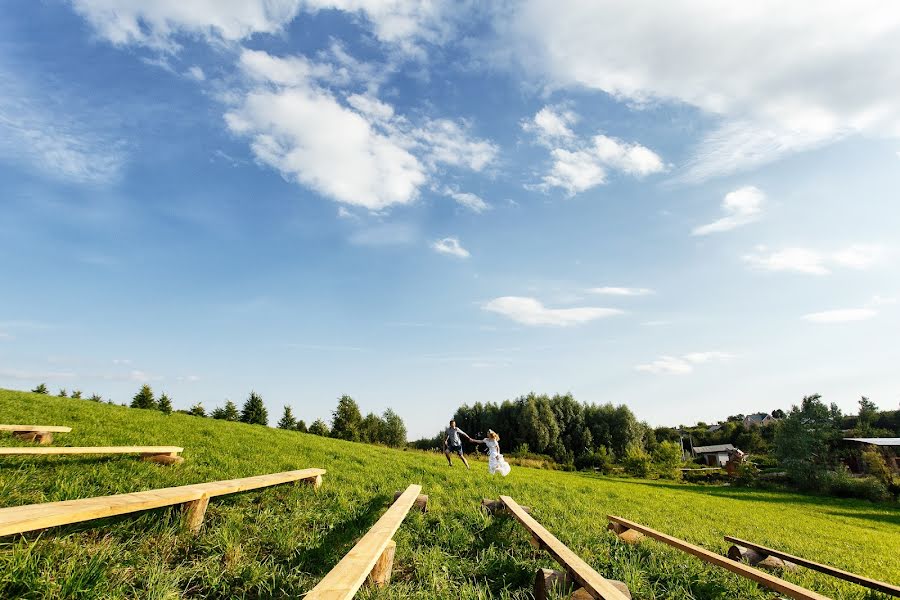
393,432
165,405
287,420
197,410
370,429
227,413
63,393
806,439
95,398
76,394
637,462
319,427
144,398
346,420
667,460
868,413
41,389
301,426
254,411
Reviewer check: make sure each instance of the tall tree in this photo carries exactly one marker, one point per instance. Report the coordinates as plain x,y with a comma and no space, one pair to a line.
868,413
287,420
165,405
41,389
301,426
254,411
319,427
346,420
197,410
806,439
393,430
76,394
370,429
144,398
63,393
229,412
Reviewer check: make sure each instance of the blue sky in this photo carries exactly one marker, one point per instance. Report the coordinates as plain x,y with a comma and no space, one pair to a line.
690,211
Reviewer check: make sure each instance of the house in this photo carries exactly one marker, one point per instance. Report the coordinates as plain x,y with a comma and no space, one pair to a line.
889,448
757,419
715,456
714,428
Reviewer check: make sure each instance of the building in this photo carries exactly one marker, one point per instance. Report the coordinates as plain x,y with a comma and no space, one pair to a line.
889,448
715,456
757,419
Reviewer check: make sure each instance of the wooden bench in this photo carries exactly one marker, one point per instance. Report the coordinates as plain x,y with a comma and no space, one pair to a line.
593,585
42,434
621,526
167,455
193,498
371,558
740,551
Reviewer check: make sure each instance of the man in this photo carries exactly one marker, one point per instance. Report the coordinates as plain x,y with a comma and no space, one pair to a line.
452,443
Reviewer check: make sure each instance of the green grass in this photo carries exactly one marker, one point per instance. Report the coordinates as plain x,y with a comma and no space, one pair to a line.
277,543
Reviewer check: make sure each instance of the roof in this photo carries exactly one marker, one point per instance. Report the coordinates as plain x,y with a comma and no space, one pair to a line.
716,427
757,417
876,441
712,449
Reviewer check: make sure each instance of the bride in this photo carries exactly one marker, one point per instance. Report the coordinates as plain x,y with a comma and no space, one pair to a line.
496,462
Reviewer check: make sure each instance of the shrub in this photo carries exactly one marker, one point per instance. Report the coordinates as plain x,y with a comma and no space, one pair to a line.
301,426
599,460
227,413
76,394
319,427
842,484
701,476
41,389
197,410
63,393
875,465
165,405
667,460
746,474
637,462
95,398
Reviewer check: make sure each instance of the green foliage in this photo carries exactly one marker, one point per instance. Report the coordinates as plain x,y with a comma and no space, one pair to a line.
637,462
197,410
319,427
165,405
842,484
76,395
301,426
370,429
346,420
254,411
227,413
95,398
393,430
599,460
875,465
63,393
667,460
865,421
41,389
144,398
805,441
287,420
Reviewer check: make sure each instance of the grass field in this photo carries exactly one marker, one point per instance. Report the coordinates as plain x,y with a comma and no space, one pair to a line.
278,542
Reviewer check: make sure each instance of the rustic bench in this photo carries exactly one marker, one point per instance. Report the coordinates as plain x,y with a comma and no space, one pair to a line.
42,434
622,527
758,553
193,499
167,455
372,557
593,585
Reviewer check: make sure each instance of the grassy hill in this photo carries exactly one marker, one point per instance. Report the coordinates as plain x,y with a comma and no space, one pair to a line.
278,542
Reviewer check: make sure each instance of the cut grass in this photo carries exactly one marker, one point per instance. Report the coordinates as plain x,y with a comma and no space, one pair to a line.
278,542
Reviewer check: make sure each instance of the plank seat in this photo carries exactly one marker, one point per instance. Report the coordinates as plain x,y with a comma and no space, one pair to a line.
195,497
374,549
93,450
592,583
874,584
42,434
620,526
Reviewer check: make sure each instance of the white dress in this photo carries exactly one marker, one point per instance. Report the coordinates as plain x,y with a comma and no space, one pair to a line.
496,462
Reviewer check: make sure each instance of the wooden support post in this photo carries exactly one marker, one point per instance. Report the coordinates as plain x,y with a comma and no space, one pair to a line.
755,558
548,582
315,482
380,575
40,437
583,594
421,502
170,458
496,507
629,536
194,511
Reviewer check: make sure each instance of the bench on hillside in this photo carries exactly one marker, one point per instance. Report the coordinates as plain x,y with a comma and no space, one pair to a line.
754,554
193,499
42,434
372,557
166,455
592,584
621,527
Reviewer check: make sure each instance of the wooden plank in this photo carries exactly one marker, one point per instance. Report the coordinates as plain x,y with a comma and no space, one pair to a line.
92,450
38,428
345,579
770,581
597,585
19,519
874,584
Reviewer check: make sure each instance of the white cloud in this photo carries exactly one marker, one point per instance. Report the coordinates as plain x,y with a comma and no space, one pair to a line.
814,262
621,291
579,165
742,206
451,246
682,365
530,311
468,200
841,315
447,142
779,77
196,73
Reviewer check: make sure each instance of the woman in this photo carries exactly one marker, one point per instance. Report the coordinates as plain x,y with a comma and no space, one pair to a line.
496,462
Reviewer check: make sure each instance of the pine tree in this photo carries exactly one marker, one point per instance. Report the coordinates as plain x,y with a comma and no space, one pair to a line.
197,410
319,428
95,398
301,426
41,389
76,394
144,398
346,422
254,411
227,413
63,393
165,405
287,419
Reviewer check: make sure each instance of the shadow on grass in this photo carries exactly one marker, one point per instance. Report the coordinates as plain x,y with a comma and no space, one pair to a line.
870,516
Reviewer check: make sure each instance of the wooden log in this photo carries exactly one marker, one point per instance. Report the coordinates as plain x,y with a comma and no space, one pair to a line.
194,511
629,536
380,575
548,582
39,437
421,502
496,507
747,555
315,482
583,594
163,459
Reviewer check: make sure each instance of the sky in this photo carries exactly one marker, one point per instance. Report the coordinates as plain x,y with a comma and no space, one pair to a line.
687,207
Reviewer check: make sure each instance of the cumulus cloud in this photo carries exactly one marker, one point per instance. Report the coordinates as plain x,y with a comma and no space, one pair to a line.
814,262
682,365
742,206
841,315
621,291
530,311
451,246
468,200
779,78
579,165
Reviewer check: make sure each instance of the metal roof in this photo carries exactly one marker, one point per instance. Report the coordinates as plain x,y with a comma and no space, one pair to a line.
711,449
876,441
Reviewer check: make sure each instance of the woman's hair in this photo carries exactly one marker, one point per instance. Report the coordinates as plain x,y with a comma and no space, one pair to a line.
493,435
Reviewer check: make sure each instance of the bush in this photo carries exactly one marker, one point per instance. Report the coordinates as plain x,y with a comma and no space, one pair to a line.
76,395
41,389
875,465
62,393
708,477
842,484
746,474
600,460
95,398
667,460
637,462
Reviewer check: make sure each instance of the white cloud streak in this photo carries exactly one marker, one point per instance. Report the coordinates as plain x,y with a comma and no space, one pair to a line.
450,246
742,206
529,311
682,365
841,315
814,262
621,291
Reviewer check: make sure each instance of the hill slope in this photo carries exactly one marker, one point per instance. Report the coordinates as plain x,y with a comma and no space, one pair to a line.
277,543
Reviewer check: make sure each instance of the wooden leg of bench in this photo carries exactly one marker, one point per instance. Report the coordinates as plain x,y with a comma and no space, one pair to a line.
315,482
163,459
380,575
583,594
629,536
194,511
40,437
495,507
421,502
547,582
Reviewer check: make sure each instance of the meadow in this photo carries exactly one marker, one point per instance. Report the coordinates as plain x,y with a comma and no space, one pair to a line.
278,542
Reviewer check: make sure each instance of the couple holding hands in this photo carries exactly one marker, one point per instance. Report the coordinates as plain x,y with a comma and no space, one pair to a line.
453,443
